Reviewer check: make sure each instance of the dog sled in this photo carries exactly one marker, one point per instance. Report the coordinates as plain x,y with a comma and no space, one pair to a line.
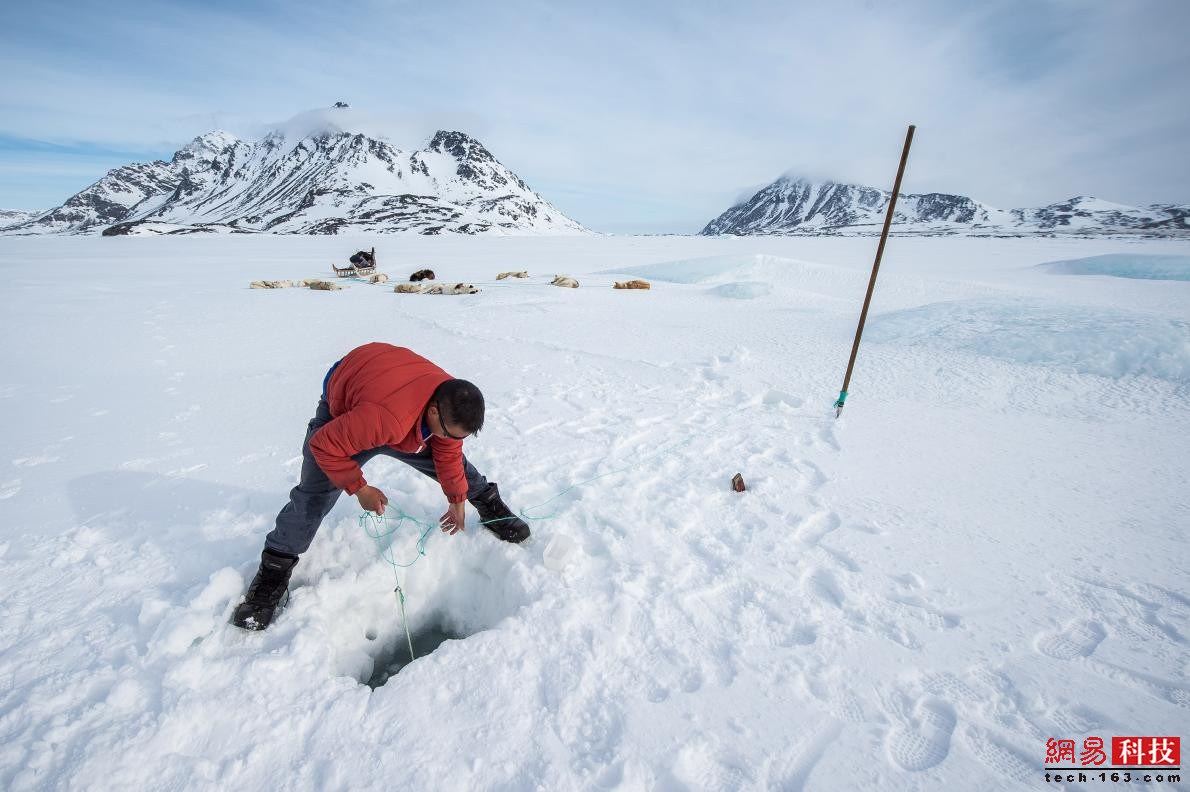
363,264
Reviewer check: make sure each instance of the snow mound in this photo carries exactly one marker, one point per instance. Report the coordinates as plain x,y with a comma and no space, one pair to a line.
1089,339
742,290
1124,265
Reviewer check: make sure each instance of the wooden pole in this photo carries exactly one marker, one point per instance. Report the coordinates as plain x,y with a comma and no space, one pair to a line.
863,316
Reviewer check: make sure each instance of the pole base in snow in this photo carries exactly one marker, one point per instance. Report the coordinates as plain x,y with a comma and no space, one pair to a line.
839,403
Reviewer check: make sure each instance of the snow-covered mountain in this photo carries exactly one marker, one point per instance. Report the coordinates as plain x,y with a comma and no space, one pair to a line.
794,205
328,182
13,216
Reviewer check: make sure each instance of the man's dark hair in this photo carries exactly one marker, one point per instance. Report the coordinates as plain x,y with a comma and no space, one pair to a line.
461,404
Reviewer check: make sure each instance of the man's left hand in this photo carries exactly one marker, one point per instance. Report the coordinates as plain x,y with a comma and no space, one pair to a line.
452,521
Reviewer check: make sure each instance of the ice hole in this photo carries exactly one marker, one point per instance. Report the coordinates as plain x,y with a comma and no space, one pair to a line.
453,592
394,658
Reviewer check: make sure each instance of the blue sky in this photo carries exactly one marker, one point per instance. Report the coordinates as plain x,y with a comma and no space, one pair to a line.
629,116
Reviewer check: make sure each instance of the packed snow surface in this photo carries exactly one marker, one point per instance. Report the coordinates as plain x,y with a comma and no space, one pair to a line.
988,550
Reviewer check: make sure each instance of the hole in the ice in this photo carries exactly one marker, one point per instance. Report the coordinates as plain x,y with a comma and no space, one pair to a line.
394,658
370,634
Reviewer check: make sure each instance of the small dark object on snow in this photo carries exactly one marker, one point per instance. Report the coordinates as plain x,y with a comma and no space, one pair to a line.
342,104
264,595
497,517
421,275
737,483
363,263
364,258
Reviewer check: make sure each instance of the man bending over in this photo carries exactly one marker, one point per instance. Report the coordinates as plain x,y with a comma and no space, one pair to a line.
379,399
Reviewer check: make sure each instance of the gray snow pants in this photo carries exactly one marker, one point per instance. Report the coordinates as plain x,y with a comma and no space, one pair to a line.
314,496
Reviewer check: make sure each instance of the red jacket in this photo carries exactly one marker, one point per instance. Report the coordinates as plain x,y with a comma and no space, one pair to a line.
377,396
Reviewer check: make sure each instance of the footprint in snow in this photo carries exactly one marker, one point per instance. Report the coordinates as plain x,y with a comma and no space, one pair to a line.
707,766
828,438
950,685
1077,640
1075,720
1162,596
821,583
777,398
808,477
917,608
841,560
923,740
1166,690
1145,620
812,529
1002,759
1135,611
837,698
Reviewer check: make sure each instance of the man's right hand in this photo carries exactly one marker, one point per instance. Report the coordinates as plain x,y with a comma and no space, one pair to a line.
371,499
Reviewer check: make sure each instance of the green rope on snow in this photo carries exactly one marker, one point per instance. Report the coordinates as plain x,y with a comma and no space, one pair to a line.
371,520
405,621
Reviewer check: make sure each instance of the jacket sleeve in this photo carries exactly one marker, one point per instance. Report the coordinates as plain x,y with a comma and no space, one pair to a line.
338,440
448,464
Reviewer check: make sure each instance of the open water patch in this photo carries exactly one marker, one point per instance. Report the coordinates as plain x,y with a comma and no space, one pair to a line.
394,657
1124,265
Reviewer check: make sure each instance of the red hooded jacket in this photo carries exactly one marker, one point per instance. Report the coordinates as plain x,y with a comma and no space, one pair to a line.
377,396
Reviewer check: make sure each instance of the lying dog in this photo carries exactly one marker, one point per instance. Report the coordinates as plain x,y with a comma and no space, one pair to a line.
632,284
504,275
421,275
435,288
270,284
324,286
452,288
379,277
564,281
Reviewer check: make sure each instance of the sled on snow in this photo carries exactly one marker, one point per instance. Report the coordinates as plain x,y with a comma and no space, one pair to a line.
363,264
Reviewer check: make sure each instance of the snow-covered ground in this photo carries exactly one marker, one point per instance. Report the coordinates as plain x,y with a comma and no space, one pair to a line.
987,551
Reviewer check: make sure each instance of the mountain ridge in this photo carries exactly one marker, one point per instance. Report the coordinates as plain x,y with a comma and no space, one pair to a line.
796,205
324,182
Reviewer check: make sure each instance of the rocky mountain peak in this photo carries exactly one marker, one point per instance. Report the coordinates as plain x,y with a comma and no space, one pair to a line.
206,146
459,145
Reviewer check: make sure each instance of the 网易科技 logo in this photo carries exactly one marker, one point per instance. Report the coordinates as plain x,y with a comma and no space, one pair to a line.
1129,755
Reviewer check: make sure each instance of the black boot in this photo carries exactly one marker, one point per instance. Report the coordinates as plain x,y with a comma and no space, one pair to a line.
269,585
497,517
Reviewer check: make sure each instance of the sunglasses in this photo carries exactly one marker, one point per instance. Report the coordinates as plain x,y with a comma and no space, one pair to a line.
442,423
